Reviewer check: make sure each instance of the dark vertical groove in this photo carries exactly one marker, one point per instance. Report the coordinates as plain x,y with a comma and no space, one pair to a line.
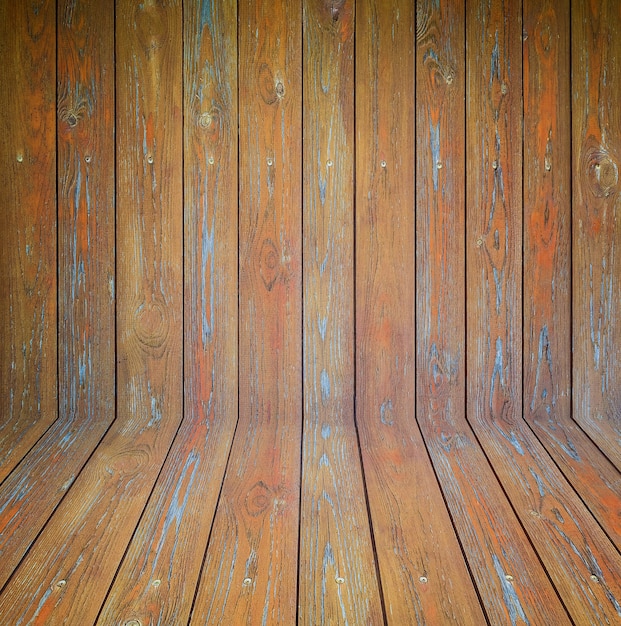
355,324
302,335
571,221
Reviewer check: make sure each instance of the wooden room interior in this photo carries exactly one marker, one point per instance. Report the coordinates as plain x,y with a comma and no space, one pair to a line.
310,312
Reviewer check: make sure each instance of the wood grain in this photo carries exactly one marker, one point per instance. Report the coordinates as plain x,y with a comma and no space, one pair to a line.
596,146
424,577
337,577
159,574
547,264
251,566
512,584
70,567
85,279
578,556
28,283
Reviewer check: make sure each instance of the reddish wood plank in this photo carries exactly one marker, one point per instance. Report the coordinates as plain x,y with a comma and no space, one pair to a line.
424,576
28,315
86,279
512,584
547,264
596,145
250,569
337,577
70,567
581,561
158,577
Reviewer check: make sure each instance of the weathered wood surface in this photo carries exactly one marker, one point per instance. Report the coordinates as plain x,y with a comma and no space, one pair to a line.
596,146
547,264
86,279
157,581
28,275
68,570
337,576
251,566
330,332
510,579
424,577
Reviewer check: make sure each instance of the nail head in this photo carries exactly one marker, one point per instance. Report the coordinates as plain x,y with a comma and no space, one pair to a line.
339,580
211,160
508,577
495,164
383,163
423,579
594,578
330,164
270,162
150,159
20,157
247,581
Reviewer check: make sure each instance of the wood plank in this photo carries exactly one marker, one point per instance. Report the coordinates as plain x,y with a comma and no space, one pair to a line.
581,561
159,574
510,579
69,569
28,314
547,264
86,279
424,575
596,145
337,577
250,572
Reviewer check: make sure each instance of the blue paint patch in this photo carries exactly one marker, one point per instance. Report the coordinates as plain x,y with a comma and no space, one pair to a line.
498,278
510,597
322,323
156,412
434,144
539,481
498,371
207,277
323,461
325,386
386,412
325,431
207,14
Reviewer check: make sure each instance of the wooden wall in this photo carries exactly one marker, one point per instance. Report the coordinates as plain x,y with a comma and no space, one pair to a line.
364,230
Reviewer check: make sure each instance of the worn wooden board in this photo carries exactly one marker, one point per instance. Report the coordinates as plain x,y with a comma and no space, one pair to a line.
28,282
511,582
251,566
85,279
424,576
580,559
70,567
596,147
157,580
337,576
547,264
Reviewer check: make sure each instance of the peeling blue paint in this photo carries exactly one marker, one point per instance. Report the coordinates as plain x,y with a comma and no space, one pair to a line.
510,597
325,386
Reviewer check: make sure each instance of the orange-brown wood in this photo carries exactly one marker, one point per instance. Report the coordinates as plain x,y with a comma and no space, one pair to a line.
28,284
424,576
250,570
570,543
86,279
337,577
596,146
159,574
70,567
510,579
547,264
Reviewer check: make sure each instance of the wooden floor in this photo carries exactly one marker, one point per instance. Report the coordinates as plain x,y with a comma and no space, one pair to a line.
310,312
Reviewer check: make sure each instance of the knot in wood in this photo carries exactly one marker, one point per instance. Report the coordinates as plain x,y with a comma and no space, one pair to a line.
602,173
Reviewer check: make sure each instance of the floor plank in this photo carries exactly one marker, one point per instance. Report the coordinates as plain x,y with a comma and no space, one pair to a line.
547,265
419,557
250,572
28,275
337,577
510,580
157,580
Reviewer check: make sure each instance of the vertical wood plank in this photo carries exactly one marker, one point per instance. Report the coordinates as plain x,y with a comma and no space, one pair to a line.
250,570
596,145
28,317
69,569
424,576
547,263
337,578
579,558
159,574
86,278
490,533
